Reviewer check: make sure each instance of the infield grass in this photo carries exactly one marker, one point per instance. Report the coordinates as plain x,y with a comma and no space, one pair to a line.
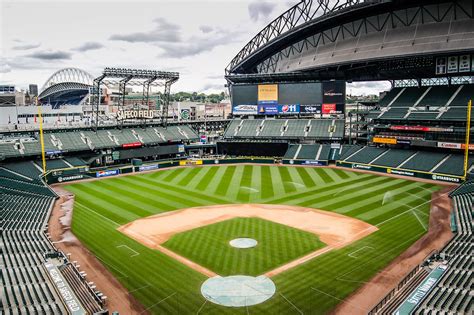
398,207
277,244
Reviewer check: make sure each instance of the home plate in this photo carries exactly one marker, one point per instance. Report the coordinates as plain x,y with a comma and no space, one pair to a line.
237,291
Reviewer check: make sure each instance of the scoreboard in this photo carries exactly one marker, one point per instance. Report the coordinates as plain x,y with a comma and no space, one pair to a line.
289,98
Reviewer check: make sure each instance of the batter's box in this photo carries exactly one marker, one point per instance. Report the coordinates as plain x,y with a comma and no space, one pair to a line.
358,252
132,252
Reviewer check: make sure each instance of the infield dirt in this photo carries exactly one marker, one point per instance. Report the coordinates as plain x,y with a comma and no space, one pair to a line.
334,229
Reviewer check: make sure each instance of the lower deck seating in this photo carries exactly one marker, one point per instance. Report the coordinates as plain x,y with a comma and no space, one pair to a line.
26,286
453,293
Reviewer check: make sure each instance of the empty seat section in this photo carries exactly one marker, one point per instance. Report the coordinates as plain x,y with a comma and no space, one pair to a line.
424,161
249,128
454,165
438,96
366,155
463,97
394,157
272,128
389,97
295,128
308,152
409,97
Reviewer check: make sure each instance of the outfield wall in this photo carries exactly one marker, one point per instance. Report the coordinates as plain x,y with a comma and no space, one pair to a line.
73,174
404,172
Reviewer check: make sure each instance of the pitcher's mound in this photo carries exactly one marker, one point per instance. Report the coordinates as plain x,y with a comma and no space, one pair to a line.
243,242
237,291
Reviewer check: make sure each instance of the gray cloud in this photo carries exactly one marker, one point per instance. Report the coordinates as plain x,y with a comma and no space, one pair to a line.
196,45
163,32
206,28
260,9
5,68
50,55
214,86
25,46
89,46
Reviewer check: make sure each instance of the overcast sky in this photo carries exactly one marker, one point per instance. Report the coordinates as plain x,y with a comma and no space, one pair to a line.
195,38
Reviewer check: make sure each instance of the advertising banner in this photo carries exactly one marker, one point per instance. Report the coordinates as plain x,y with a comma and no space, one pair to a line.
185,114
289,109
148,167
453,64
310,109
421,128
334,92
181,148
422,290
132,145
328,108
465,63
268,94
245,110
268,109
451,145
385,140
107,173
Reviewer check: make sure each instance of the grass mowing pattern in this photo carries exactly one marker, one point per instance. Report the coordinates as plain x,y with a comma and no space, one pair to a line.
277,244
399,208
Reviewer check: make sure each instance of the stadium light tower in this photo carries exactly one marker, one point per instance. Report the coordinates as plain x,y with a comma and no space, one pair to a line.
134,77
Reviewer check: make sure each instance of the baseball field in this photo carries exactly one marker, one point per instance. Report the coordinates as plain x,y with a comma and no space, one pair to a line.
322,265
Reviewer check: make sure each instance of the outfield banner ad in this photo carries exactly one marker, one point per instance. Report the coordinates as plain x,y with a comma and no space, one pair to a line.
289,109
410,173
310,109
148,167
306,162
245,110
268,109
107,173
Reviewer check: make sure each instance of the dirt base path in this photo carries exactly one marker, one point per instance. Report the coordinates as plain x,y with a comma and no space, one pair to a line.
59,229
334,229
439,234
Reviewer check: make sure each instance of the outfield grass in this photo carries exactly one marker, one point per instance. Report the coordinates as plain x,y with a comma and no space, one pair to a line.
209,246
399,208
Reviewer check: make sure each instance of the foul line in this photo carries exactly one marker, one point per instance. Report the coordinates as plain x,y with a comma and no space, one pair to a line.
294,306
136,253
102,216
411,209
416,216
143,287
162,300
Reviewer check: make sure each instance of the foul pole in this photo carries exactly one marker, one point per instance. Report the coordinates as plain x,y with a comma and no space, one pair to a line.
43,158
468,132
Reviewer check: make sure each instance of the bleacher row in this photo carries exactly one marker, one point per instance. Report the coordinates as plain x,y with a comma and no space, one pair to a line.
433,162
453,294
285,129
26,286
83,140
426,103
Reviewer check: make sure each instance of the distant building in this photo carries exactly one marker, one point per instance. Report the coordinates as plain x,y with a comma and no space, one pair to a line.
9,96
33,90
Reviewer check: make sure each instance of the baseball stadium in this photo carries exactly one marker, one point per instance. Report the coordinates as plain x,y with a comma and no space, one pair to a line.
297,202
